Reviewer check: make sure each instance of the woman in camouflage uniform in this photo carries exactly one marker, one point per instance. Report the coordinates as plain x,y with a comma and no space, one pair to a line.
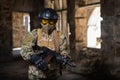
46,36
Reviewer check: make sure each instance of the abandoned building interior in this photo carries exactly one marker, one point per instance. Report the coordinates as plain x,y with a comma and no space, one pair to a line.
91,27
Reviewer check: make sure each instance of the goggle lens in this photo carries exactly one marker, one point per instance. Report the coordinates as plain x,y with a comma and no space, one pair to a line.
45,21
51,22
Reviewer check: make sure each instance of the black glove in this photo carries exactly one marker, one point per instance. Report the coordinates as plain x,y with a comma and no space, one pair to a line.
39,62
65,60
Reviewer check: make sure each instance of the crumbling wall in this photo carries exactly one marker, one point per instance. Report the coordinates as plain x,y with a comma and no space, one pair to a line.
111,34
5,27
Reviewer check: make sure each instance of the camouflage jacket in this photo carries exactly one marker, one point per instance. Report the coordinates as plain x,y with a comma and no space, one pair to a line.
55,41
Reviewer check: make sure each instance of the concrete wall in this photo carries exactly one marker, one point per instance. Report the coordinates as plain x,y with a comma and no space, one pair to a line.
7,7
5,27
111,34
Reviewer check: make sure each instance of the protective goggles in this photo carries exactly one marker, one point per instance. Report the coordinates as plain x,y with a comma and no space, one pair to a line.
46,21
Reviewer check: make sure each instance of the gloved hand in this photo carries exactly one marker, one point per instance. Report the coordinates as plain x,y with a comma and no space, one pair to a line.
65,60
39,62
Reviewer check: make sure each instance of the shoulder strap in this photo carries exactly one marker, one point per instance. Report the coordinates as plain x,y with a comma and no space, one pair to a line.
39,33
56,40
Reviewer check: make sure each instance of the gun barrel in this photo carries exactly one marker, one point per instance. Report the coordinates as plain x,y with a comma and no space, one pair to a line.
60,58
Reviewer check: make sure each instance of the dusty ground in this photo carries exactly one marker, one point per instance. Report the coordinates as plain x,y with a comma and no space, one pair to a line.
16,69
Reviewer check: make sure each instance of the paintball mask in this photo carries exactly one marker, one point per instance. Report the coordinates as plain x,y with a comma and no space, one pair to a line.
48,18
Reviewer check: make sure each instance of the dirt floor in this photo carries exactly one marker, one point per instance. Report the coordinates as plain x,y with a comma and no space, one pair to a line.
13,70
16,69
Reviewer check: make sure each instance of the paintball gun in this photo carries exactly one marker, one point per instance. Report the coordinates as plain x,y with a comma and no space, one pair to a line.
44,57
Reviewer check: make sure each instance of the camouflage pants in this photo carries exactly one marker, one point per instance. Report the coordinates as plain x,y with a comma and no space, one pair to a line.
36,74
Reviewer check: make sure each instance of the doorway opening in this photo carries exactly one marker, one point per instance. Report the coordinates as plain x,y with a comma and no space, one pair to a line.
94,29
